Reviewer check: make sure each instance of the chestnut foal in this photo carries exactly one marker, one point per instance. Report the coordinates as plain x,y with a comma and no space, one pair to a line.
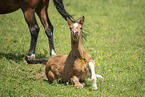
76,66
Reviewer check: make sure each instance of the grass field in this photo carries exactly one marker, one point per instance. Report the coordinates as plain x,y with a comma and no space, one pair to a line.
116,42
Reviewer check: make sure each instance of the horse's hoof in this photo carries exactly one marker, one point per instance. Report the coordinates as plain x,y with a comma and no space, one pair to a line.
52,55
27,58
32,56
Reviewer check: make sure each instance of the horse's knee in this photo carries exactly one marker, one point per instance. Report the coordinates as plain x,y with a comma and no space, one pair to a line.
34,31
49,31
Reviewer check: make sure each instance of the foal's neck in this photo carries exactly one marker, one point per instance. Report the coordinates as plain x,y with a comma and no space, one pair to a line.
77,49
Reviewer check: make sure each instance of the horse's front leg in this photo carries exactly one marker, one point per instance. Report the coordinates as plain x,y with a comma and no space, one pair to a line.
41,11
34,29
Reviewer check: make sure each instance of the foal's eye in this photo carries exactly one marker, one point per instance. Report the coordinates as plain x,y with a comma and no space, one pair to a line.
70,28
81,28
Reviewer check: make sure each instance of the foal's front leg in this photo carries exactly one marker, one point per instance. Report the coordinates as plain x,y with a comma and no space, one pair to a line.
94,76
75,80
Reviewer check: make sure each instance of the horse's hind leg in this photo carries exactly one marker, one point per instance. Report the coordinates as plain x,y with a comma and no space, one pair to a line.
34,29
41,11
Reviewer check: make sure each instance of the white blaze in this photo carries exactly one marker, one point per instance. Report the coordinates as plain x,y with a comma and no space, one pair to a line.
75,25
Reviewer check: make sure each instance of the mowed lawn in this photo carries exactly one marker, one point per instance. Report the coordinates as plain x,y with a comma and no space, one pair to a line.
116,41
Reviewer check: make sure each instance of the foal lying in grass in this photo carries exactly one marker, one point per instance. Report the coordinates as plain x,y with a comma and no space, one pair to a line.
76,66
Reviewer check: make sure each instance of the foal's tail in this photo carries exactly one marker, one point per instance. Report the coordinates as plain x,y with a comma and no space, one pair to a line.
60,8
36,61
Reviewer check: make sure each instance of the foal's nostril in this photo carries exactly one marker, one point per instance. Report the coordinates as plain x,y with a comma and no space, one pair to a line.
75,32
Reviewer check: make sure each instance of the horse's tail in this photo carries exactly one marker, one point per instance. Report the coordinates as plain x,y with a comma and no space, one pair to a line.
60,8
36,61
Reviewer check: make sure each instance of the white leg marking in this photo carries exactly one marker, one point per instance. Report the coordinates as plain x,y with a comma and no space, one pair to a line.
32,56
94,79
53,53
99,76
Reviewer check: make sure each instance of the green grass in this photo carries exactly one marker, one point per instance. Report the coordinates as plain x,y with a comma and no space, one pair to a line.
116,42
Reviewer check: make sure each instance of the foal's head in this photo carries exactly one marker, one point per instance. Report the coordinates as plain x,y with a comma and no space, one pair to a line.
76,28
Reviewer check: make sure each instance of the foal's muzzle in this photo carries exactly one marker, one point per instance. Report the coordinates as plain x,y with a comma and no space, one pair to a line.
75,34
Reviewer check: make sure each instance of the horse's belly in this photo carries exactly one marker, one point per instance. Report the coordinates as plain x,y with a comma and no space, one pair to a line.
7,6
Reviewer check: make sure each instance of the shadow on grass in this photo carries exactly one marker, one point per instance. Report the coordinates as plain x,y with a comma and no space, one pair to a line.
60,82
17,57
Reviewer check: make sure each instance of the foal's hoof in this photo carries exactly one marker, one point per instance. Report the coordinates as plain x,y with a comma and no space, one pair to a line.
94,88
79,86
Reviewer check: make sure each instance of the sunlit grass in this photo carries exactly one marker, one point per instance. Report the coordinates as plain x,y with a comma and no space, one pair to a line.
116,42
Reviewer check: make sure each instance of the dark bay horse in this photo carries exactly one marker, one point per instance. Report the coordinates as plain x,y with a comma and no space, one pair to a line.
75,66
29,8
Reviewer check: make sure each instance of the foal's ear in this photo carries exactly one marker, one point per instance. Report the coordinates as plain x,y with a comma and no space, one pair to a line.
82,20
69,21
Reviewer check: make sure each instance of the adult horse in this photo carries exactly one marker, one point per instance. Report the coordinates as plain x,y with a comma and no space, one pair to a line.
29,8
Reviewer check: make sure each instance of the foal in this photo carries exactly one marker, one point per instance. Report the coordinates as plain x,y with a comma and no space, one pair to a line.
76,66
